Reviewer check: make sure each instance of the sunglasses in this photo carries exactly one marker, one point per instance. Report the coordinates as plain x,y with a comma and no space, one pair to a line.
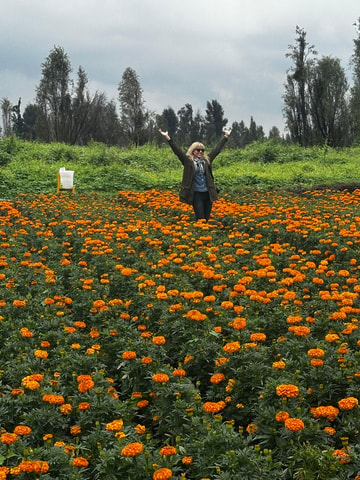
199,150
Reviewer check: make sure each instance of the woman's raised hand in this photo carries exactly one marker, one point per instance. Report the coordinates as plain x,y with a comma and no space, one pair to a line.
166,134
226,131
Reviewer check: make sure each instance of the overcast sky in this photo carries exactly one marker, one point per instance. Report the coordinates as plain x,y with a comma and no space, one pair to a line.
183,51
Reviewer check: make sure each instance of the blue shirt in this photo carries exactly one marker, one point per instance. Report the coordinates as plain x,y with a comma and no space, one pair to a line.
200,176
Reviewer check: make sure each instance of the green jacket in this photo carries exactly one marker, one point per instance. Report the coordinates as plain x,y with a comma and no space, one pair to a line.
188,178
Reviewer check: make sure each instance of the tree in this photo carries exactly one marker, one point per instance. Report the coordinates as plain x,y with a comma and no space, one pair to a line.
328,87
168,121
184,133
355,90
296,109
6,110
214,121
17,120
53,96
133,115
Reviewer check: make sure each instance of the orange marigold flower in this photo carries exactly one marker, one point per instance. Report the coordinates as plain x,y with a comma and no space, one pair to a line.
84,406
330,430
54,399
75,430
146,360
159,340
258,337
280,364
341,455
251,428
187,460
281,416
129,355
195,315
162,474
231,347
300,331
167,451
132,449
294,424
41,354
66,408
8,438
214,407
316,362
332,337
142,403
22,430
160,377
348,403
140,429
287,390
316,352
217,378
329,412
179,372
80,462
239,323
19,303
115,425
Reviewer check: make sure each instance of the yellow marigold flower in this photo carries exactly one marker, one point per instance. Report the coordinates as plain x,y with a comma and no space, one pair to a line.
8,438
132,449
162,474
287,390
80,462
160,377
294,424
231,347
348,403
281,416
217,378
22,430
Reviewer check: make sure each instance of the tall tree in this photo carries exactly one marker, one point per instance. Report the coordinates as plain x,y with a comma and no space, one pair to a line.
168,121
296,109
185,124
53,95
132,110
214,121
6,110
328,88
355,90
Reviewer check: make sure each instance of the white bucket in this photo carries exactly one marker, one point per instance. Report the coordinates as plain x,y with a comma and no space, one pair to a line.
66,178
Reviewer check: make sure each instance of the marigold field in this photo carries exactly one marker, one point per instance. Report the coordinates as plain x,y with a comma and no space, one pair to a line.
138,344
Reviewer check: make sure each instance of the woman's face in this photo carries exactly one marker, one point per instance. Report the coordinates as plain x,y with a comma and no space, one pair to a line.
199,152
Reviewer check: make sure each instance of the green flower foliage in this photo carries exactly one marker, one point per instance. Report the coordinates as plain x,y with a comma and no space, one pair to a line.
136,340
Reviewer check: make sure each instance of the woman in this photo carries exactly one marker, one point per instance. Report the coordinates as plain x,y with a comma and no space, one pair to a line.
198,187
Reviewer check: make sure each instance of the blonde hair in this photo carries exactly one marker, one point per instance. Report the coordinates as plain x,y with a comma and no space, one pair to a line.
192,148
